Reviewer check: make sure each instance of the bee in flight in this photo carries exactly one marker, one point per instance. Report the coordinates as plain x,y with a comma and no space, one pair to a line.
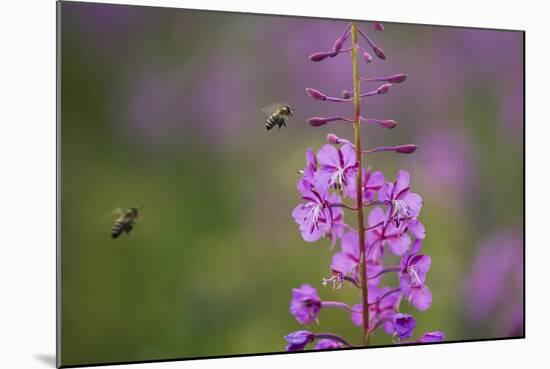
278,115
125,222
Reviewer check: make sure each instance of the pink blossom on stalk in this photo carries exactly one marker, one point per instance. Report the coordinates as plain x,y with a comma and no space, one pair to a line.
337,168
305,304
346,262
384,232
305,183
403,325
412,278
383,304
404,203
298,340
315,216
372,183
332,173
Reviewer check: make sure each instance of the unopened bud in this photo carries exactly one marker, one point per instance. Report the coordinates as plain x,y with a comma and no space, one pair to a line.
318,56
367,57
317,121
379,53
389,123
397,78
406,149
317,95
378,26
338,44
384,88
333,139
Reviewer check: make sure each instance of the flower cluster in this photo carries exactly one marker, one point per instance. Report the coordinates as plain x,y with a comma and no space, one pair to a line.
335,180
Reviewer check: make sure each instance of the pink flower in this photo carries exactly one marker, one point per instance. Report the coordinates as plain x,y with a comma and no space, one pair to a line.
337,168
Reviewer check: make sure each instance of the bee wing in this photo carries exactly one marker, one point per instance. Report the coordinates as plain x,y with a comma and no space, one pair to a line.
115,213
271,108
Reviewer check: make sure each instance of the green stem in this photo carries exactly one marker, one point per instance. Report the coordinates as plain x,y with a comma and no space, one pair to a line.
360,220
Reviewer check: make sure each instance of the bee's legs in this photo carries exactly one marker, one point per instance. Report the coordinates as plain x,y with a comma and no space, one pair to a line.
129,228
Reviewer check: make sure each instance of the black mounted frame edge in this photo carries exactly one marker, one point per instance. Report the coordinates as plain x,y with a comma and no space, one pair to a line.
58,72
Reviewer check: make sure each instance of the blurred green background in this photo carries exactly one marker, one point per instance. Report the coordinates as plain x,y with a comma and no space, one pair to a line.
161,108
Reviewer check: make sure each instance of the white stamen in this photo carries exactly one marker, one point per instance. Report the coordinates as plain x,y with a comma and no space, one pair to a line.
337,179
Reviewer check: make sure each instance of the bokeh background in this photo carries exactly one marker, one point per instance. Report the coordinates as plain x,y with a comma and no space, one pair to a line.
161,108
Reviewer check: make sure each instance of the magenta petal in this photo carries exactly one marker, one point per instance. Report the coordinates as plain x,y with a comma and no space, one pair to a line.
311,161
376,180
415,248
402,182
311,235
385,193
421,298
342,263
321,179
376,216
417,229
299,213
436,336
357,315
328,156
399,245
350,244
414,203
373,268
348,154
422,264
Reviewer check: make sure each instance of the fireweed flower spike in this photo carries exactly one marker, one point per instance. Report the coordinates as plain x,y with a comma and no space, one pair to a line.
386,218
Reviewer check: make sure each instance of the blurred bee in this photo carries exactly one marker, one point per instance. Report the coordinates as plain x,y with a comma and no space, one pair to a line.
125,221
278,115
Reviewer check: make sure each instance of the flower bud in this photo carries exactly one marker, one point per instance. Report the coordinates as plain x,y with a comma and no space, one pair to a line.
338,44
384,89
333,139
397,78
317,121
406,149
367,57
379,53
346,94
378,26
317,95
388,123
318,56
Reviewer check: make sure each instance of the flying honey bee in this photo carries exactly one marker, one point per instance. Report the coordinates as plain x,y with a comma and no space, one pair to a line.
278,115
125,222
